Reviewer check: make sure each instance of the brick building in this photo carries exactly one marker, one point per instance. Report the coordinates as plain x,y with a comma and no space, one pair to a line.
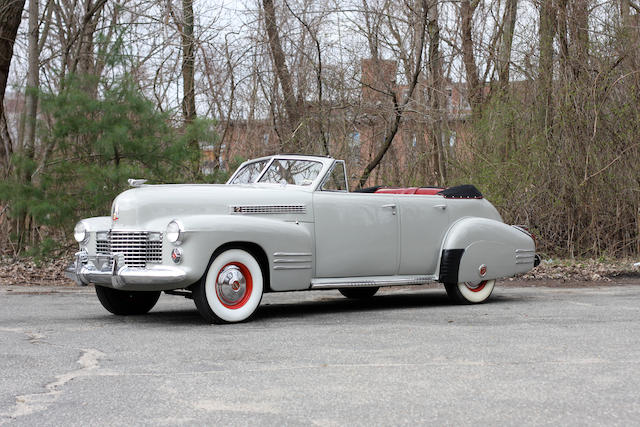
357,136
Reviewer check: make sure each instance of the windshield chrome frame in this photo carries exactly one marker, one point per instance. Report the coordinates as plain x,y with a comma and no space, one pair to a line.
269,159
327,164
314,160
328,173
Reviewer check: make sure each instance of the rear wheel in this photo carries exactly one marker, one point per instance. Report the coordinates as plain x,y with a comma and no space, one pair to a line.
127,302
470,292
232,288
358,293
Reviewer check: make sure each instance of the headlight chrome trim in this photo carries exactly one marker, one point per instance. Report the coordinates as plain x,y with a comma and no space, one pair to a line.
80,233
175,232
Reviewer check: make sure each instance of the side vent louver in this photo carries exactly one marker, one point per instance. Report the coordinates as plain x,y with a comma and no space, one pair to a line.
269,209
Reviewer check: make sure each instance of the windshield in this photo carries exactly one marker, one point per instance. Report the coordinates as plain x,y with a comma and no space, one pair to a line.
249,173
295,172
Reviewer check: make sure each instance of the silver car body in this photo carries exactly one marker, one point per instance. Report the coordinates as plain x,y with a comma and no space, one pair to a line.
305,237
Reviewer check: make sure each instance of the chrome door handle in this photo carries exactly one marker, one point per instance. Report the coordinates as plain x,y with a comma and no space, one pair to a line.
443,207
392,206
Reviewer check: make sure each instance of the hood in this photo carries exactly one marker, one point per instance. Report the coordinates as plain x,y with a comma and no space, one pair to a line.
151,206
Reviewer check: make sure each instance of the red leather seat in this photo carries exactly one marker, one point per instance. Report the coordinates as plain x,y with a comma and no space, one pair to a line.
409,190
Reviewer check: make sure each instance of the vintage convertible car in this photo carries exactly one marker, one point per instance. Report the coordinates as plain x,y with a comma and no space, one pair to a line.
288,223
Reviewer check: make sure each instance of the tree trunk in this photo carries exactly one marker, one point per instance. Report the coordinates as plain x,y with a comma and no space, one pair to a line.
33,83
578,26
508,26
321,111
82,40
10,16
467,9
188,60
545,67
292,105
436,95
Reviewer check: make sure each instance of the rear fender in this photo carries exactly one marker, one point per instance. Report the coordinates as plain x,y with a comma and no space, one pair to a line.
477,249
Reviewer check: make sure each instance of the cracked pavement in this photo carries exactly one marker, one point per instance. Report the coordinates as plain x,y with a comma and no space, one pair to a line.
530,356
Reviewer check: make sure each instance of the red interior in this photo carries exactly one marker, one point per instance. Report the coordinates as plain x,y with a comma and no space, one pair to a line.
410,190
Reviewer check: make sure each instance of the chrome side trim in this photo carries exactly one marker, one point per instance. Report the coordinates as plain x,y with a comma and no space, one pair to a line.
292,261
355,282
289,261
275,254
525,256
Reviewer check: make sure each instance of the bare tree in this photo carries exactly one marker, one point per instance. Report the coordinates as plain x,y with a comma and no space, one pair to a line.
188,59
475,87
33,83
504,55
436,94
545,66
292,104
10,16
400,105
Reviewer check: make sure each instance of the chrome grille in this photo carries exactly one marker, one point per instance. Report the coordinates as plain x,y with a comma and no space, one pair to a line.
103,247
269,209
134,245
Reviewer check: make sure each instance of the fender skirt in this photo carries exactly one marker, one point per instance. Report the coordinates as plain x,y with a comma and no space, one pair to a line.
450,265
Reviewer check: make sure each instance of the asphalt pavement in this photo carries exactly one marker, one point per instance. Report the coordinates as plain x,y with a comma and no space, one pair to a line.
530,356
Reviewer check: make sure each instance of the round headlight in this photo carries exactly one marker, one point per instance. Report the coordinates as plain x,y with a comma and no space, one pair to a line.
174,232
80,232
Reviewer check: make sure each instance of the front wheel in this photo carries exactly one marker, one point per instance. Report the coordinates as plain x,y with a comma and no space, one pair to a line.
127,302
232,288
470,292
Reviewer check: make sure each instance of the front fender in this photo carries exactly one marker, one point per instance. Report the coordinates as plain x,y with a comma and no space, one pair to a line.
288,246
97,223
477,249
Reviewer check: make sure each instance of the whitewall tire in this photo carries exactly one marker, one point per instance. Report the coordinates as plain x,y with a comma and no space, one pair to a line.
470,292
232,288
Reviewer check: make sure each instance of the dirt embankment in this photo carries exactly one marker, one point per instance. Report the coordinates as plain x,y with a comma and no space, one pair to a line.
30,273
579,273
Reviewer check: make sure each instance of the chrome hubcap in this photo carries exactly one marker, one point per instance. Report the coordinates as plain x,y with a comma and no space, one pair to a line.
474,286
231,285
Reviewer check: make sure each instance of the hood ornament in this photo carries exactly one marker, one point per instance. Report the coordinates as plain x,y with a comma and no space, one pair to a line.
136,182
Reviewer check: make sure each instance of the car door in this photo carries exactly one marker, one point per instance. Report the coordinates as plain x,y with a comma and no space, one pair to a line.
424,221
356,234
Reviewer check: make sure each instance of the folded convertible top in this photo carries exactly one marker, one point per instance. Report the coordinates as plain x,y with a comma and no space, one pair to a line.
466,191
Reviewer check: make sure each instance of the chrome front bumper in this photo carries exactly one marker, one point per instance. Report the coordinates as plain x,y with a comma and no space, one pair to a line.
111,271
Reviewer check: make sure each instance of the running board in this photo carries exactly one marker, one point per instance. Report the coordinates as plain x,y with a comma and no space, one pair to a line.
369,281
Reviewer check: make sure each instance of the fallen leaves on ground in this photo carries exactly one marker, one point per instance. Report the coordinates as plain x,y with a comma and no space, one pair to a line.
583,270
25,272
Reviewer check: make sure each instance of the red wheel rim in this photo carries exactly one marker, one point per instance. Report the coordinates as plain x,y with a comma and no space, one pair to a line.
234,285
478,288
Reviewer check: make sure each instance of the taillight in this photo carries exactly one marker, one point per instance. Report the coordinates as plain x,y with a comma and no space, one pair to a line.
526,230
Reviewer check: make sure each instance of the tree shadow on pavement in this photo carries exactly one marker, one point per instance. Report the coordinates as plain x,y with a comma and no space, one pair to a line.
384,302
305,308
